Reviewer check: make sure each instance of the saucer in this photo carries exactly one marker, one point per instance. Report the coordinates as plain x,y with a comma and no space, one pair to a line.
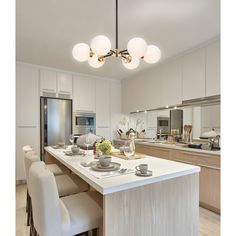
113,166
105,167
138,173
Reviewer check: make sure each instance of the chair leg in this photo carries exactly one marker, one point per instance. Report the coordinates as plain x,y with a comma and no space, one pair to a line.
94,232
29,212
27,201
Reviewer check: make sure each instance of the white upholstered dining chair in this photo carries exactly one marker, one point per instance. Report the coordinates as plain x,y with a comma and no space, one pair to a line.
66,185
54,216
54,168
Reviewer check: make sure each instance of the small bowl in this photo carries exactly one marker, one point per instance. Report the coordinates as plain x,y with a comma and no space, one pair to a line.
105,160
75,149
61,144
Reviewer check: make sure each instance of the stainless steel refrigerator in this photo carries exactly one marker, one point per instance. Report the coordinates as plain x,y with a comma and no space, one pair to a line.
55,122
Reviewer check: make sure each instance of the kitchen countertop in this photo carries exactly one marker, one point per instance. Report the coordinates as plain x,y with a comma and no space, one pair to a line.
175,146
162,170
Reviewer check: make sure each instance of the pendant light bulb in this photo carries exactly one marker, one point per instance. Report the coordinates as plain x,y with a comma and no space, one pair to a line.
137,47
152,55
133,64
94,62
81,52
101,45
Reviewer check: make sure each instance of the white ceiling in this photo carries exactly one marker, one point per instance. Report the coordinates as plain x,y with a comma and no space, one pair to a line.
47,30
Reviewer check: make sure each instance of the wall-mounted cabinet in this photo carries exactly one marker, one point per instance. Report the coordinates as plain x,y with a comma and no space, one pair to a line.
64,85
84,94
193,82
55,84
213,69
27,95
102,104
195,74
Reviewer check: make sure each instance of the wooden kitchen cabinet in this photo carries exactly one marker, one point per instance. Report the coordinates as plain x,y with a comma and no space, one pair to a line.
153,151
209,180
193,82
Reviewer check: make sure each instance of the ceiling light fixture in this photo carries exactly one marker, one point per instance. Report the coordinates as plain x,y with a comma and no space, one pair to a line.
100,49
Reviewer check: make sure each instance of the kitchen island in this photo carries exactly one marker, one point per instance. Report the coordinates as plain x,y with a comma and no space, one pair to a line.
163,204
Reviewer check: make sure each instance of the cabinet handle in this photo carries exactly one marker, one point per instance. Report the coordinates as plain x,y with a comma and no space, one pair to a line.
186,162
191,163
28,127
51,90
211,167
196,154
61,91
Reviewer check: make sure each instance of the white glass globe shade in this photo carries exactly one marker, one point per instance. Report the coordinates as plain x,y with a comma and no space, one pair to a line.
81,52
94,62
137,47
101,45
133,64
152,55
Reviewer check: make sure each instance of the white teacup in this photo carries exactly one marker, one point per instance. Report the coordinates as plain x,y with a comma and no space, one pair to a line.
105,161
143,168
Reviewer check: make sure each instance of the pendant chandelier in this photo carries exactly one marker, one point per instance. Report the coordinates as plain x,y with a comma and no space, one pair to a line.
100,49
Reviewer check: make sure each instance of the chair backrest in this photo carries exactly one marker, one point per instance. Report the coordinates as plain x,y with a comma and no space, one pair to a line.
27,148
45,200
29,158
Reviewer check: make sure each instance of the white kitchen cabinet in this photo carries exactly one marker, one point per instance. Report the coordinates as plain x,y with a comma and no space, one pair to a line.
213,69
104,132
171,83
25,136
84,94
102,104
115,107
193,83
48,83
27,95
64,85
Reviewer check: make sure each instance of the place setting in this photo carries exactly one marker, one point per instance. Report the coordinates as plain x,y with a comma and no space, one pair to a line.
142,170
105,167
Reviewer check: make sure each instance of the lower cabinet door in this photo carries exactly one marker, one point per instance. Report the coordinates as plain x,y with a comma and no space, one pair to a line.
25,135
210,188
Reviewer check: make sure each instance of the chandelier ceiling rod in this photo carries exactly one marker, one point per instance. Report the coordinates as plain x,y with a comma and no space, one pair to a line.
117,25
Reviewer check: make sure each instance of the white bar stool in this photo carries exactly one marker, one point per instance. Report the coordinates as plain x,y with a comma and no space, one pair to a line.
65,216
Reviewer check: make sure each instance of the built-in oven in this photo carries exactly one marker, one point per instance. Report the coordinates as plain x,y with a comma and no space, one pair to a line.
84,123
163,125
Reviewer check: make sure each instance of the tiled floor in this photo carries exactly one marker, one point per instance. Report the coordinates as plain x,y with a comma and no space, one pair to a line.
209,221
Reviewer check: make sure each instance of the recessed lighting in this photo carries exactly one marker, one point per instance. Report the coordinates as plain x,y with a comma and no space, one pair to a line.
167,106
145,111
175,107
137,111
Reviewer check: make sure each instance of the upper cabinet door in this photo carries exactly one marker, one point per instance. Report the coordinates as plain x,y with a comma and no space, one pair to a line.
64,84
102,103
48,81
27,95
171,83
194,75
83,94
213,69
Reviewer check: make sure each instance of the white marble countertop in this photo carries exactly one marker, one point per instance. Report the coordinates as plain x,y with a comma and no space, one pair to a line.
162,170
181,148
